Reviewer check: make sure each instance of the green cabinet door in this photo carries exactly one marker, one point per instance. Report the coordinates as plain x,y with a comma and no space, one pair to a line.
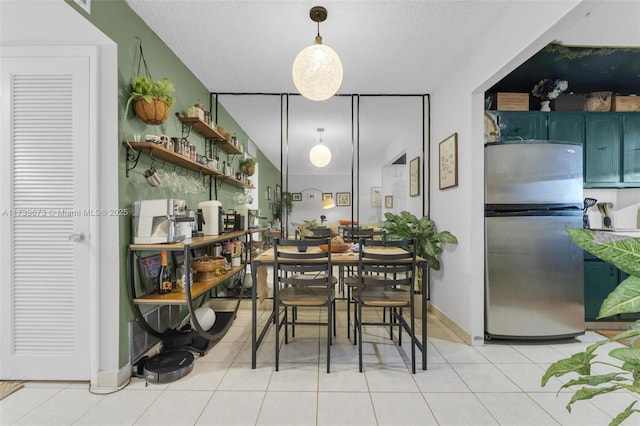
566,126
631,147
602,149
521,125
600,278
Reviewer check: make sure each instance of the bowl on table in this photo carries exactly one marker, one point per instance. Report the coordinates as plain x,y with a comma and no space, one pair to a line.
336,247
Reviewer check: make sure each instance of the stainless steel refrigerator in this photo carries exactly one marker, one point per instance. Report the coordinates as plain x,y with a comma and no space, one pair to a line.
534,272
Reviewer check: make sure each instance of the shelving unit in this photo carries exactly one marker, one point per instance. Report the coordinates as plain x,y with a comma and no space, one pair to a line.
224,319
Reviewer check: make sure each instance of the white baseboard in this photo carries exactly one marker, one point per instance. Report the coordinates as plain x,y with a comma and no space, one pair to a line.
459,331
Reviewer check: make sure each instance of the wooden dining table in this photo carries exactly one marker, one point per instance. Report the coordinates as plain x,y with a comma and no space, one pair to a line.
260,292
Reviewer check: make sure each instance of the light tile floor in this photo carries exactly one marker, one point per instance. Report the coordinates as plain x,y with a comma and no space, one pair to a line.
498,383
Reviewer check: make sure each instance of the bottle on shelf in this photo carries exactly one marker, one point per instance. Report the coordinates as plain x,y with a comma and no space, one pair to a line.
164,278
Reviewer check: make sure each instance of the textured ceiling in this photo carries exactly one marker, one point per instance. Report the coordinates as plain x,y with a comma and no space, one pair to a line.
386,47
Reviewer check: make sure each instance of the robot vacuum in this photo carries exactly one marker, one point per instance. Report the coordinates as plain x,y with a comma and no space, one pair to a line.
168,366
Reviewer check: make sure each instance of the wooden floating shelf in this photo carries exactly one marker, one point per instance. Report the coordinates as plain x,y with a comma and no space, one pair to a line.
208,132
169,156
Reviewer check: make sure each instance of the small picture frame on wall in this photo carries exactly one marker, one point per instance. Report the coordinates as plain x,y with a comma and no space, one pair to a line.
343,199
296,196
326,195
448,162
376,197
414,177
388,201
267,195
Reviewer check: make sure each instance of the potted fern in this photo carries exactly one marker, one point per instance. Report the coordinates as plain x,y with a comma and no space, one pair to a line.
152,99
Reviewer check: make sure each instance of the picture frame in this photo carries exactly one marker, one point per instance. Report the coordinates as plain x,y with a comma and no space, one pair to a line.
296,196
448,162
326,195
414,177
388,201
376,197
267,195
278,195
343,199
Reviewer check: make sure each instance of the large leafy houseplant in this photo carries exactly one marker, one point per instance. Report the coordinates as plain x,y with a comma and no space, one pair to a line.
624,253
407,225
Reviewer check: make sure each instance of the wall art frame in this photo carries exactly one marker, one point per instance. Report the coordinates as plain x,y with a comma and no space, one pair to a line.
343,199
448,162
414,177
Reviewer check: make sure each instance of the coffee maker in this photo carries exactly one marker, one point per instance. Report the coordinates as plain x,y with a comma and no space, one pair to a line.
212,213
157,221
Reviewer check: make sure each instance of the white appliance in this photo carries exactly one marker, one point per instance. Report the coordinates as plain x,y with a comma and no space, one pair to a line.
212,213
156,221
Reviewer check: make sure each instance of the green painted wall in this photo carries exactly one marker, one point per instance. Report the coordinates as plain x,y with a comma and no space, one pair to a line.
115,19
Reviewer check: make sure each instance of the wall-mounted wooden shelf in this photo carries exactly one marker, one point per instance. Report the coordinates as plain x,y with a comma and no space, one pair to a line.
208,132
158,151
162,153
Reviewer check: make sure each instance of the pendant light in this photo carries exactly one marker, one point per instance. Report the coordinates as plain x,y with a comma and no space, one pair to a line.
317,70
320,155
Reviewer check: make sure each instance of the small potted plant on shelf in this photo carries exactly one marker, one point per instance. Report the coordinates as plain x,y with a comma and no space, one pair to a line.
248,166
152,99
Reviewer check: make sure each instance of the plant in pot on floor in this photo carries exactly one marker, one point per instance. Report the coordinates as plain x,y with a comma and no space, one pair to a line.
622,363
407,225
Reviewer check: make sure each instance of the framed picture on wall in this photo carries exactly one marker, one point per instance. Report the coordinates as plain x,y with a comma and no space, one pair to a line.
414,177
326,195
448,162
343,199
267,195
376,197
278,195
388,201
296,196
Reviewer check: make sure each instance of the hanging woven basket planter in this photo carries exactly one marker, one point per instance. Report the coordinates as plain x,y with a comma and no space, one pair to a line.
154,112
249,170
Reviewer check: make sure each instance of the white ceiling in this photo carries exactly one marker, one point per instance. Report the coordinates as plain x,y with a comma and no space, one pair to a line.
386,47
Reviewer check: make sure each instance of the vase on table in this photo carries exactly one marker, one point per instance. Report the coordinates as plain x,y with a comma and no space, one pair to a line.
544,106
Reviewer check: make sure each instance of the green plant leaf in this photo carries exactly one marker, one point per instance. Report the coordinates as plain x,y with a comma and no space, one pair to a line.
594,380
623,252
624,298
588,393
628,355
579,363
624,414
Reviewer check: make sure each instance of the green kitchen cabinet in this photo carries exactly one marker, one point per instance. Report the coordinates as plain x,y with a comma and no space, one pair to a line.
521,125
631,148
566,126
602,149
600,279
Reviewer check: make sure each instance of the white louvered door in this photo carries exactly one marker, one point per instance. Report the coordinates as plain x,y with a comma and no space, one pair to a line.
44,221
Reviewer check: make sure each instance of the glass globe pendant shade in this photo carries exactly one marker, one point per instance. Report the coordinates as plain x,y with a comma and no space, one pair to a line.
320,155
317,72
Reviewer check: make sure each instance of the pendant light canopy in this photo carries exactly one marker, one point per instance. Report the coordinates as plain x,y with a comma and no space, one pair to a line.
317,70
320,155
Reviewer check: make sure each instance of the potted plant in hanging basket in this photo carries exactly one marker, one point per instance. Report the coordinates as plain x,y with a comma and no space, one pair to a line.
248,166
152,99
